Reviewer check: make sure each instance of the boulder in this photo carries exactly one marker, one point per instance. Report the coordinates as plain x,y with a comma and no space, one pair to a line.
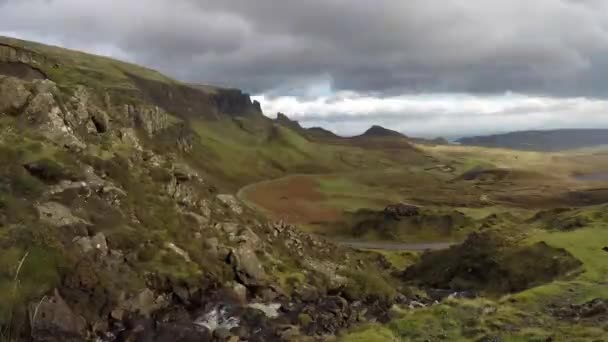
247,237
237,291
247,266
53,320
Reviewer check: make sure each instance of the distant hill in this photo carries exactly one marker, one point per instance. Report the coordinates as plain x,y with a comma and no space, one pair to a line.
550,140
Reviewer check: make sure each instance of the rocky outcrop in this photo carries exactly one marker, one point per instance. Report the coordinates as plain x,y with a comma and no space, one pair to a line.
14,95
9,53
52,320
36,102
489,263
151,119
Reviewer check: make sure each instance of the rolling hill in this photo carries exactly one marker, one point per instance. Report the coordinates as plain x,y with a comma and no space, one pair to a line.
549,140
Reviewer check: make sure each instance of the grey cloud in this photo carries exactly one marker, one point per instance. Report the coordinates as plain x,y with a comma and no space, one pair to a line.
555,47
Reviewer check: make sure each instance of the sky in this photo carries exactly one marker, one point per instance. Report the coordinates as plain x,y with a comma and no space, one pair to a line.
423,67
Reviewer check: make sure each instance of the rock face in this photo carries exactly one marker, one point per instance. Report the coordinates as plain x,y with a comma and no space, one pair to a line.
53,320
151,119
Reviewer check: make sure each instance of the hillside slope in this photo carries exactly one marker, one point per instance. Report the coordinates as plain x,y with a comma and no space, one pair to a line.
117,221
550,140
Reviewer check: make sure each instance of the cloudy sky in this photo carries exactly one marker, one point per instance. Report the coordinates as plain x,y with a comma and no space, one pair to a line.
424,67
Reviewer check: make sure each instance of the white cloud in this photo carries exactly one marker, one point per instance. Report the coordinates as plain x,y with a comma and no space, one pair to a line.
448,115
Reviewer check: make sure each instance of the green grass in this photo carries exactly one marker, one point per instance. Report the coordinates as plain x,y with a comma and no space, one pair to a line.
71,68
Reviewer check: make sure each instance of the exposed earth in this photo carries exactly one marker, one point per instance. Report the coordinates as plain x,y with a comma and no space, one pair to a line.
134,207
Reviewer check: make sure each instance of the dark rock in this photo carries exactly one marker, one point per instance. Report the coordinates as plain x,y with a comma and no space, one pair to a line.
605,249
101,122
401,210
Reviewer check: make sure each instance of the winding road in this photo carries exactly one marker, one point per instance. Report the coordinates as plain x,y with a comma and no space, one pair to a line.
396,246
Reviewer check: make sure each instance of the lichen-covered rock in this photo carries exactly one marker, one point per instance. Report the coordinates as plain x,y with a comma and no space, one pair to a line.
247,266
13,95
231,202
53,320
151,119
44,111
58,215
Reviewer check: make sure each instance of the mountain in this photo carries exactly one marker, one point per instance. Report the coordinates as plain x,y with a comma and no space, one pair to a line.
550,140
381,132
119,218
